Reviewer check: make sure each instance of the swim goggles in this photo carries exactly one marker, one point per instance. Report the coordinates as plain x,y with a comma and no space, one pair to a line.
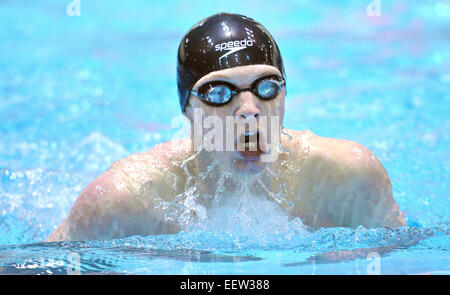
221,92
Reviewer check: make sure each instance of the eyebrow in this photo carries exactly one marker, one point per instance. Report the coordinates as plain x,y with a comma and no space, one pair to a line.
223,78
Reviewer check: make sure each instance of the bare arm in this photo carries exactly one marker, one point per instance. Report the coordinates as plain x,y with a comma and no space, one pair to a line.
106,210
124,201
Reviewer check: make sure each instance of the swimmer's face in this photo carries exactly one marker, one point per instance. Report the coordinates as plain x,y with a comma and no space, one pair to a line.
240,149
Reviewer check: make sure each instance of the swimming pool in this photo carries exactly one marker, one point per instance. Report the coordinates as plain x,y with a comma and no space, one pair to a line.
80,92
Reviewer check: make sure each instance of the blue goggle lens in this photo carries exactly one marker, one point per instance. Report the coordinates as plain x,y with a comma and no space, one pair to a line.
218,94
222,92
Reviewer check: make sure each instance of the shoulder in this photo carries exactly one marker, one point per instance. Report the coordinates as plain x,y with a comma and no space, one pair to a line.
297,142
161,155
122,201
172,151
346,175
347,157
344,155
153,167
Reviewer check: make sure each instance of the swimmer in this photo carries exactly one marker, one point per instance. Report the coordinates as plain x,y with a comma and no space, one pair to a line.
229,66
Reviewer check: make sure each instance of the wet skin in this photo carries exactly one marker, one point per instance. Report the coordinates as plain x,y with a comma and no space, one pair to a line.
326,182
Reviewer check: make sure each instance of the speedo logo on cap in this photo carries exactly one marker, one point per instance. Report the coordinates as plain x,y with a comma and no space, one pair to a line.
233,46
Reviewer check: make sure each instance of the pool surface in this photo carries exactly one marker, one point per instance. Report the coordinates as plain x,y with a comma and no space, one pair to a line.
78,93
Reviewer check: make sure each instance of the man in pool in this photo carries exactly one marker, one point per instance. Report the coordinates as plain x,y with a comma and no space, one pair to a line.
229,66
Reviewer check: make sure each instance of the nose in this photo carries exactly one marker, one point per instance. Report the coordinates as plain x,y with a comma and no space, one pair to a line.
248,107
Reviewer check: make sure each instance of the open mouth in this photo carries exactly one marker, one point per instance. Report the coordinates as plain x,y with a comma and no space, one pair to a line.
249,145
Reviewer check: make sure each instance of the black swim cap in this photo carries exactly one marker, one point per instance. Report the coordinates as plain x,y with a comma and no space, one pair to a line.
219,42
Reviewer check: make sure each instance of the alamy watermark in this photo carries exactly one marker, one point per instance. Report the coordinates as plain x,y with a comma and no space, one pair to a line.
374,8
74,265
230,133
374,267
74,8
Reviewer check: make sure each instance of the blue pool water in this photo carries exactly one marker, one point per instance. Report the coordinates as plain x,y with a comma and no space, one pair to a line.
77,93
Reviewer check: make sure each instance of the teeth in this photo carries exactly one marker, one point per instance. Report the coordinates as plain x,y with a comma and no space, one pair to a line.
251,146
249,141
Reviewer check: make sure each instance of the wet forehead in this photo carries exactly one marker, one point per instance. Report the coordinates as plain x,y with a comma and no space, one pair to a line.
242,76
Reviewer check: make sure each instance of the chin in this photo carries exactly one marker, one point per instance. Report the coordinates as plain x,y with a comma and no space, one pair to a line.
247,166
